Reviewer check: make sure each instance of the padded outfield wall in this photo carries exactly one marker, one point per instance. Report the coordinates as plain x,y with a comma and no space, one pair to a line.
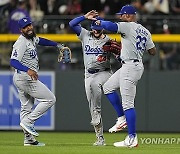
157,103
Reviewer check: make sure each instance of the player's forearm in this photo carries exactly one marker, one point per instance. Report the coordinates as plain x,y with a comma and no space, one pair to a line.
46,42
17,65
74,24
76,21
110,26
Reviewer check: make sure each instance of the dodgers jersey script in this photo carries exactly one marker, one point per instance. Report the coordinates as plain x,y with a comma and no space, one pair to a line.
25,51
92,51
135,40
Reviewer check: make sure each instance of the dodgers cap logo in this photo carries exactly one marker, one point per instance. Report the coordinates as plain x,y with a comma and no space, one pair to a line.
24,22
96,27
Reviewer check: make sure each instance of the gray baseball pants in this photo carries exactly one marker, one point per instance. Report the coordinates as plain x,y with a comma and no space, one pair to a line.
126,79
29,90
93,87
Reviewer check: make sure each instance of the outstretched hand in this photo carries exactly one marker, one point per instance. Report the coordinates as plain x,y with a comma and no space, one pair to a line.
91,15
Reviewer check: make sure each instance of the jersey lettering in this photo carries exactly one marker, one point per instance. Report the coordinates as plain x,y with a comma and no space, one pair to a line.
141,43
32,54
89,50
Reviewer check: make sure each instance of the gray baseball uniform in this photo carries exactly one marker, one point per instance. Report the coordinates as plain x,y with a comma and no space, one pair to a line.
136,39
25,52
97,71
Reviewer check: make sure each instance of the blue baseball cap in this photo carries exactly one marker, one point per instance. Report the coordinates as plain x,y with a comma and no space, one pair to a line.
127,9
96,27
24,22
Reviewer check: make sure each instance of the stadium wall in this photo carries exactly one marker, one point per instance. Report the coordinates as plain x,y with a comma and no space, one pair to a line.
157,103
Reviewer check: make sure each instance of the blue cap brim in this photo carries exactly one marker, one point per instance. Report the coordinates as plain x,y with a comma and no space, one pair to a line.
26,24
97,27
119,13
125,13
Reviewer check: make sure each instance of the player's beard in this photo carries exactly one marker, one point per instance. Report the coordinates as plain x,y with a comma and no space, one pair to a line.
30,36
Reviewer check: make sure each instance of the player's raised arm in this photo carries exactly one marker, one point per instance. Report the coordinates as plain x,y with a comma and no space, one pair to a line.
46,42
108,25
75,23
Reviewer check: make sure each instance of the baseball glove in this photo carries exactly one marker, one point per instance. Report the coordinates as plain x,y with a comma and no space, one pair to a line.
64,54
112,46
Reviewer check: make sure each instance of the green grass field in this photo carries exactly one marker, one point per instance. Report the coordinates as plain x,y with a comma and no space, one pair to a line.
79,143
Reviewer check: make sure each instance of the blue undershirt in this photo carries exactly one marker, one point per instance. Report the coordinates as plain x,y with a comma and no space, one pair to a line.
45,42
110,26
74,24
17,65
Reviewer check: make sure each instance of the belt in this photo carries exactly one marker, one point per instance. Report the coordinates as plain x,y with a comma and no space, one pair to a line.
132,60
93,70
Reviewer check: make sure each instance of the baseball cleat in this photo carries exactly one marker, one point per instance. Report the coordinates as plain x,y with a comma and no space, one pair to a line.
130,141
35,143
100,141
29,128
120,125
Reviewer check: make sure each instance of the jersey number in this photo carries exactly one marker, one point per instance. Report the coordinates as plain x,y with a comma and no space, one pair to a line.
141,43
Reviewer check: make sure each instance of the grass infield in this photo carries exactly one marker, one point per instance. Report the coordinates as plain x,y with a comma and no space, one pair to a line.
81,143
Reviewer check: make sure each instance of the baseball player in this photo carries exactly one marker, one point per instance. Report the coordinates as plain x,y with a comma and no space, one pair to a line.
97,68
25,61
136,40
